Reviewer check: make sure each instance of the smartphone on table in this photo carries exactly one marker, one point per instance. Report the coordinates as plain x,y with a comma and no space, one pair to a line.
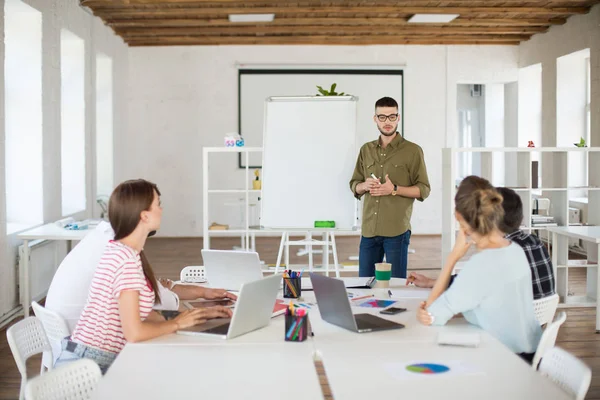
392,310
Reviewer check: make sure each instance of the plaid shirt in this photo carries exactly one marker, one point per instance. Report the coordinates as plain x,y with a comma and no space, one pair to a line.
539,261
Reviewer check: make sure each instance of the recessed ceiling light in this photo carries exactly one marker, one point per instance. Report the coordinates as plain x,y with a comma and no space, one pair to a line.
251,17
432,18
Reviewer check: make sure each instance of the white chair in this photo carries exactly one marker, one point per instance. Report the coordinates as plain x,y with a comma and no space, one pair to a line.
56,330
568,371
76,380
548,338
545,308
26,338
192,274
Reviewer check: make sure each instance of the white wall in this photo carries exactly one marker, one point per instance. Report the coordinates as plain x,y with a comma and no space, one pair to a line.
184,98
580,32
57,14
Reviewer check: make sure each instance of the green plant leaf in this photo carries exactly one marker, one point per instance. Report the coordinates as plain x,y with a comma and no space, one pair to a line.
333,86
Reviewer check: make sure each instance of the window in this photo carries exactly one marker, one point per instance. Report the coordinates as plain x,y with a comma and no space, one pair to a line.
104,126
72,73
465,159
588,101
572,91
23,116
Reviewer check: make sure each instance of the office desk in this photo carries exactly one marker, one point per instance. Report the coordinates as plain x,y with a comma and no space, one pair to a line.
357,365
49,231
273,371
376,370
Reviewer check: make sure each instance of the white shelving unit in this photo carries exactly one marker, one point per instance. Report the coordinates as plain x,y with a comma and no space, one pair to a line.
249,234
556,187
245,230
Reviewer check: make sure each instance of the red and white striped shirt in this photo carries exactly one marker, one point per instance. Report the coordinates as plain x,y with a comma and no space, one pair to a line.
99,325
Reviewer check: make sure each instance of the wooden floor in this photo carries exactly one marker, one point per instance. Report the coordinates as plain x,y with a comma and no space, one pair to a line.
168,256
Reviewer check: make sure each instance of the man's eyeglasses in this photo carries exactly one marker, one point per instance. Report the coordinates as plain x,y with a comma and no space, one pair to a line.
391,117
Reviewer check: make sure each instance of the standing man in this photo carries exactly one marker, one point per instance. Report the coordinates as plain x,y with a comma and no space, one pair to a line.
390,172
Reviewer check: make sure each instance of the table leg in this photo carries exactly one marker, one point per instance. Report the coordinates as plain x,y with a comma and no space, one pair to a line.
69,246
280,252
310,251
326,255
598,292
287,251
25,281
335,256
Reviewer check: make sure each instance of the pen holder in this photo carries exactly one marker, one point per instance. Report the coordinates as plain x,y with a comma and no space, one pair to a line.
292,288
296,328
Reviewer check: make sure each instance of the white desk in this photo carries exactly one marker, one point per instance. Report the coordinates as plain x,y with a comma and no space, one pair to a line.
180,366
362,371
45,232
273,371
561,264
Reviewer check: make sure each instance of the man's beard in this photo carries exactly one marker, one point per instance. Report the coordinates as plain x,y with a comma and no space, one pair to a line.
384,133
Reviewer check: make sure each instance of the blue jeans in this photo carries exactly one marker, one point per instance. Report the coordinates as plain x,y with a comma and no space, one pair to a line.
395,249
72,351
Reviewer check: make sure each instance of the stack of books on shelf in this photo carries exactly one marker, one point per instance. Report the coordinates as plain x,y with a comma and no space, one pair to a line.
542,220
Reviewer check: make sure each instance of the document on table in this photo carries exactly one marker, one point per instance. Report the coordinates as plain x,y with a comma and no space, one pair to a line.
410,292
428,369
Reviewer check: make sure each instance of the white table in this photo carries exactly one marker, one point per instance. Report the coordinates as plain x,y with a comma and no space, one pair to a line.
269,371
45,232
560,261
180,366
375,370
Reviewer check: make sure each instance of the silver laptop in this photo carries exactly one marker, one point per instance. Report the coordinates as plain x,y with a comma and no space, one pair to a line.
228,269
253,310
335,308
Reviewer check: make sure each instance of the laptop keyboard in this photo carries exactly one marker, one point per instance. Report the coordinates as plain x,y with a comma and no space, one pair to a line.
219,330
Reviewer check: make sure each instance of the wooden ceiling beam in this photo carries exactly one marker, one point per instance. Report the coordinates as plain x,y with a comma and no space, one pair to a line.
203,3
174,23
188,41
131,12
320,30
388,39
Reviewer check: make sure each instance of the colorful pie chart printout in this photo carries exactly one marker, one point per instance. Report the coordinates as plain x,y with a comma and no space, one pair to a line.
427,368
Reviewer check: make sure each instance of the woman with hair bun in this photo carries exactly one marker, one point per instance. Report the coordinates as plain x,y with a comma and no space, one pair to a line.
493,289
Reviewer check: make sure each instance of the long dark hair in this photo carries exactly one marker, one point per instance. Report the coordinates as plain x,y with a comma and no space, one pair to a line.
126,203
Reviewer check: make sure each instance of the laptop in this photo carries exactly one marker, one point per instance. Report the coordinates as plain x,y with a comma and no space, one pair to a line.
253,310
229,270
334,306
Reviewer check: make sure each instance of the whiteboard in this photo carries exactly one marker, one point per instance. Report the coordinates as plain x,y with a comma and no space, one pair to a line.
309,154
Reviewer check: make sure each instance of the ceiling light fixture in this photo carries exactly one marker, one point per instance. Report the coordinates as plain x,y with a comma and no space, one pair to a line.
251,17
432,18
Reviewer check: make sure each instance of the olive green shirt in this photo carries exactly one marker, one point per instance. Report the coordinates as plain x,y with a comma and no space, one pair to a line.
403,161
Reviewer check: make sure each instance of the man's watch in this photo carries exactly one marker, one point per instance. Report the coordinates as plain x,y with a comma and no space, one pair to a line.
395,190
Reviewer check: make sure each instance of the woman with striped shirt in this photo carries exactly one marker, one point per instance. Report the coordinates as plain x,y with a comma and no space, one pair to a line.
124,288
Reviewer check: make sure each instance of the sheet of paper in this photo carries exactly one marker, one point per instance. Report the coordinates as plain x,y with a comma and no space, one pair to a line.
377,303
430,369
410,292
456,338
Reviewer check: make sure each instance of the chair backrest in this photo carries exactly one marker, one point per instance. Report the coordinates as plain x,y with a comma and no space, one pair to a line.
567,371
545,308
192,274
75,380
548,338
56,329
25,339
